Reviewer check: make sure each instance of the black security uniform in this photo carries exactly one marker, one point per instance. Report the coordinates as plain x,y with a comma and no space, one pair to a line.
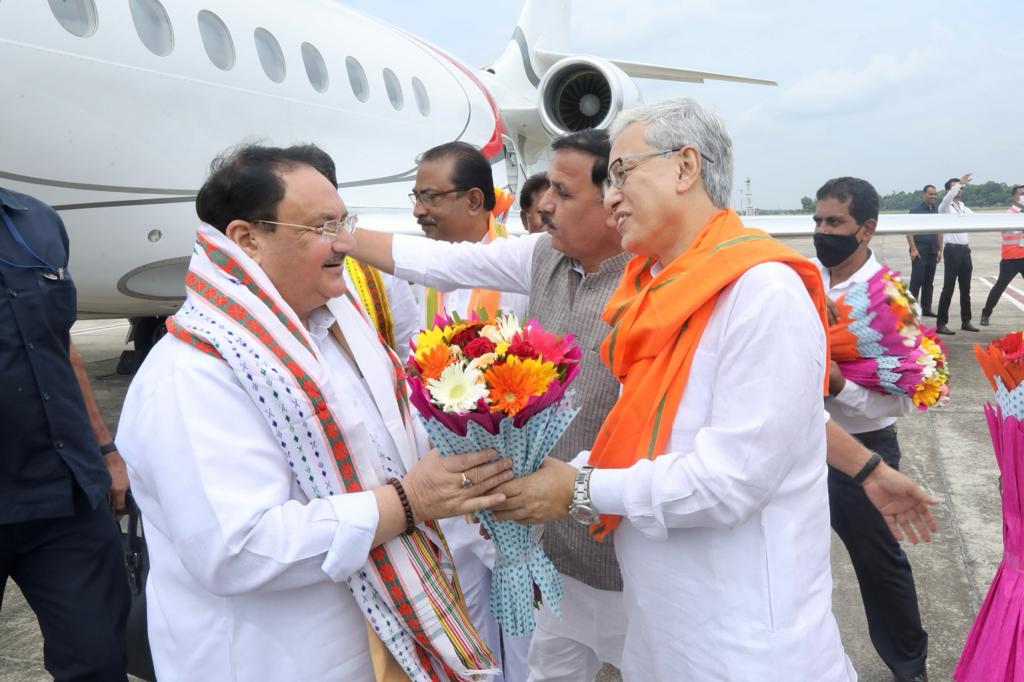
58,540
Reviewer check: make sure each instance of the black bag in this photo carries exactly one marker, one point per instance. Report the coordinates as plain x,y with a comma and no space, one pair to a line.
136,559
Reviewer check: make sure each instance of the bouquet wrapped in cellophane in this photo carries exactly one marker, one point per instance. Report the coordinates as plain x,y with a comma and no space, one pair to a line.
481,384
992,652
879,342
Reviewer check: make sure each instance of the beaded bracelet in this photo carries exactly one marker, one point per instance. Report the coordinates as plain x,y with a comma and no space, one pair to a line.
410,522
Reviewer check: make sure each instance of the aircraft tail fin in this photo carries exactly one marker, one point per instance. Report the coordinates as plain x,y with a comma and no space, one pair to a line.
542,27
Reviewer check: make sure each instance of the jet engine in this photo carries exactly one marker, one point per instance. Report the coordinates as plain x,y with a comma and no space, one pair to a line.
577,93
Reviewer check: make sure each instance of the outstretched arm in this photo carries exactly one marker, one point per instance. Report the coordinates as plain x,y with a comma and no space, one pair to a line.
374,248
903,504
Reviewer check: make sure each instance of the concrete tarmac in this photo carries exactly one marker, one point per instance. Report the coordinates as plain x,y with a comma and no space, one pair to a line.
946,450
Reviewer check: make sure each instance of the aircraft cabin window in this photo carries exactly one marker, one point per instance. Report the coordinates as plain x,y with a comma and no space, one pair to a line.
153,26
271,57
357,78
422,98
394,89
316,68
78,17
216,40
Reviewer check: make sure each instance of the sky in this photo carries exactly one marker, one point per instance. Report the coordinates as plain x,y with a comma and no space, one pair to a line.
901,93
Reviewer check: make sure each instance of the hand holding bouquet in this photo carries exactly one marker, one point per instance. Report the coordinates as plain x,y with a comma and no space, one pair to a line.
492,384
879,343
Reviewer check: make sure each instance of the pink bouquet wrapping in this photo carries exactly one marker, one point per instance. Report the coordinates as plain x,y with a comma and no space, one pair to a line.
994,650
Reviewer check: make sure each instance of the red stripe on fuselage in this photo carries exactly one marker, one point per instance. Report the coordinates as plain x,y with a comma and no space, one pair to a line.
494,145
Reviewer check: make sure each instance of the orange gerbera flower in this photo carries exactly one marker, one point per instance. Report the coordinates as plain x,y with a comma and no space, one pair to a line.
433,361
514,382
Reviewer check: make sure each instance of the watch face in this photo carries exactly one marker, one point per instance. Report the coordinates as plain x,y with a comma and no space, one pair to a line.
583,514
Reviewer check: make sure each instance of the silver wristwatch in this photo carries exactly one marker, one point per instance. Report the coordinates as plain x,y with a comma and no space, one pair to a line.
581,509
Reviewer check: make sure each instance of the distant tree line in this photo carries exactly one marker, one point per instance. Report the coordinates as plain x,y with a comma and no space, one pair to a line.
981,195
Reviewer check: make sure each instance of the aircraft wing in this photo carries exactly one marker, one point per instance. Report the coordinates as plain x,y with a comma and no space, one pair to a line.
658,72
400,221
900,223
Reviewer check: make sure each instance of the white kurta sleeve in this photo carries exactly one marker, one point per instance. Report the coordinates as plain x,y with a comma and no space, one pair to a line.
765,399
405,314
215,483
872,404
502,265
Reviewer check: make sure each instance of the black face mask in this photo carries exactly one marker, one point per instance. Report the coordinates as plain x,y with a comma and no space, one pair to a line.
833,249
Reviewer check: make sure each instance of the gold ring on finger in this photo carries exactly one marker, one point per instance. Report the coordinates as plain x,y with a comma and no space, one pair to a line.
465,480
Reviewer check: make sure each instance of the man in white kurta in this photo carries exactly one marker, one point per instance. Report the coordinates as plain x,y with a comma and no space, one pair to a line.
247,575
722,534
259,563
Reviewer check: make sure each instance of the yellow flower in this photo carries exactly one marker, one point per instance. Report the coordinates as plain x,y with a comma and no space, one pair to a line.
428,338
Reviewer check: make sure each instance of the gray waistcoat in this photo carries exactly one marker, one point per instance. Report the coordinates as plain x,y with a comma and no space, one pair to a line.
563,300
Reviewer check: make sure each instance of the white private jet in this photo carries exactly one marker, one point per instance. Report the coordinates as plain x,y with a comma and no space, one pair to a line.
113,110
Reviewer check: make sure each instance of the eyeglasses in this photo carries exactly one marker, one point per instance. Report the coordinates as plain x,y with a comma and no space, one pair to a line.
428,198
617,169
328,231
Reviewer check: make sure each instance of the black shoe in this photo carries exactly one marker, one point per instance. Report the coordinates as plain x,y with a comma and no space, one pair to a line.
943,329
921,677
929,313
984,320
968,327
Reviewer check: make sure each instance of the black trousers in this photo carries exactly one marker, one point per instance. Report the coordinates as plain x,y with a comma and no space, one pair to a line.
958,272
71,571
883,571
922,272
1008,269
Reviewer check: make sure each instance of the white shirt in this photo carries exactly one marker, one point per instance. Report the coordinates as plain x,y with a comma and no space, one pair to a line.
857,409
246,576
950,204
505,265
417,258
724,544
405,311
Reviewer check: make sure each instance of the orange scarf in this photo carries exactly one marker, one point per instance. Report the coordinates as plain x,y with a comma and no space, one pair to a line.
657,322
484,302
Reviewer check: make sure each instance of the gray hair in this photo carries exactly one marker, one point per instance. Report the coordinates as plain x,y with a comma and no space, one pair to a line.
680,121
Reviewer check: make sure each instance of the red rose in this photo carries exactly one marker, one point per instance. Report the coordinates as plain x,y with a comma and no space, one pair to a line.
521,348
387,573
477,347
465,336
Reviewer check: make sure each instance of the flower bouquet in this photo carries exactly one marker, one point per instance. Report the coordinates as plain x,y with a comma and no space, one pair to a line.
992,650
481,384
879,343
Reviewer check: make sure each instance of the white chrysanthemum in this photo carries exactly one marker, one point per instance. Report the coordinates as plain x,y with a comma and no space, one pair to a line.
458,388
491,333
508,326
